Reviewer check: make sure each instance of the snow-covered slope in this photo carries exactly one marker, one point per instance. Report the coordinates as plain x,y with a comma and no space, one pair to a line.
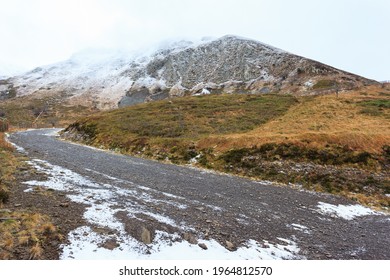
95,74
228,64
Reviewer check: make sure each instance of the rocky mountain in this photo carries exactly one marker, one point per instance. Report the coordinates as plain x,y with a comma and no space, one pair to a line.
229,64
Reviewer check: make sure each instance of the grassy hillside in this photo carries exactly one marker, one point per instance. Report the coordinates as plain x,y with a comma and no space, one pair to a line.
337,144
181,119
42,111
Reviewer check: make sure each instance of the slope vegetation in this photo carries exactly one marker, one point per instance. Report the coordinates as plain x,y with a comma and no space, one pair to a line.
41,111
333,143
24,234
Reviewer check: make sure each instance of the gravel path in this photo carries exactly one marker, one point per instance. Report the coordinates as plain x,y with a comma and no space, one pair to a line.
140,208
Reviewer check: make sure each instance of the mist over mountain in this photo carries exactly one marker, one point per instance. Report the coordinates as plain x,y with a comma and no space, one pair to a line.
8,70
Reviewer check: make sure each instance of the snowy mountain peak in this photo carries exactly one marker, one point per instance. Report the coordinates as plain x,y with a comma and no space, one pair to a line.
174,68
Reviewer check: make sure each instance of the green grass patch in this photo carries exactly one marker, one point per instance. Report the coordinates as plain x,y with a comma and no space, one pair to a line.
331,155
325,84
377,107
378,103
197,116
183,118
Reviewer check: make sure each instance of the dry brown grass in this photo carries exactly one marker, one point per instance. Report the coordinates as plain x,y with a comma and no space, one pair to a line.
26,231
22,112
36,251
19,231
7,167
318,122
5,145
48,228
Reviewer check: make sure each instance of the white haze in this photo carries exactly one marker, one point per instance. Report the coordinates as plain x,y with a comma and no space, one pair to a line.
347,34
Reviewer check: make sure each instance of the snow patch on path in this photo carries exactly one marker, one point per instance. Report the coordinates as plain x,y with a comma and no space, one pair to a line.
302,228
18,148
86,244
347,212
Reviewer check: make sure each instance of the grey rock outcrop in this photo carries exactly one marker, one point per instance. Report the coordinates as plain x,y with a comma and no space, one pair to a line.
235,65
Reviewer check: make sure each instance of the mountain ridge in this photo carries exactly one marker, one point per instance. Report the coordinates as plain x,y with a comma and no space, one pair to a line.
229,64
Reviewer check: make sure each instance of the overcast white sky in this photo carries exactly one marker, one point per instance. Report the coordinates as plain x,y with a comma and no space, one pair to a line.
352,35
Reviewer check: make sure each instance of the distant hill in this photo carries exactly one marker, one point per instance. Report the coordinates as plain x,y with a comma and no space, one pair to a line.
229,64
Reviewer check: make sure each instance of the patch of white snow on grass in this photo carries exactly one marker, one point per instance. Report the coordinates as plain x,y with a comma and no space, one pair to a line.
309,84
347,212
195,159
205,91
